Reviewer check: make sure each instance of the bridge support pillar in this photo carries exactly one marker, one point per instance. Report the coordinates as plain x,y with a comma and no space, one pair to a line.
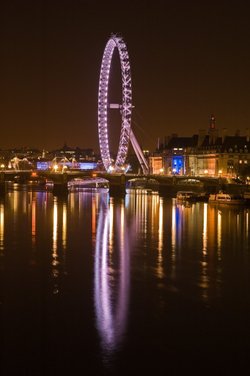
117,186
2,183
60,189
117,191
2,188
167,190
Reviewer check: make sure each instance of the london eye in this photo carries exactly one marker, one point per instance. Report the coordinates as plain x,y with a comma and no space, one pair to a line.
126,134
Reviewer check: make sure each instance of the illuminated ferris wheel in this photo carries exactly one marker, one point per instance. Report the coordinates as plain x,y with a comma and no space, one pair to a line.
125,108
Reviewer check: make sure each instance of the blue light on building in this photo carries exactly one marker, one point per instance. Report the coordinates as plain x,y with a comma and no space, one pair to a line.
87,165
43,165
178,164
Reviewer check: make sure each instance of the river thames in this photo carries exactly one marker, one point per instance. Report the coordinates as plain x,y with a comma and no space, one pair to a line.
95,285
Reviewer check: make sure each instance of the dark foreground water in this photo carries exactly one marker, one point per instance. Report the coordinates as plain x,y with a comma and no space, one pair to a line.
93,285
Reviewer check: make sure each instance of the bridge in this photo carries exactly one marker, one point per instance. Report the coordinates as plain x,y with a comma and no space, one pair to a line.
118,183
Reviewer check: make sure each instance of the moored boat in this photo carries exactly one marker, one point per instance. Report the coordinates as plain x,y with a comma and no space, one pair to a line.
88,185
185,196
141,191
227,198
191,196
246,196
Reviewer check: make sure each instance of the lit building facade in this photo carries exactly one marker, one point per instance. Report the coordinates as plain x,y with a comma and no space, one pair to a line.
156,165
207,154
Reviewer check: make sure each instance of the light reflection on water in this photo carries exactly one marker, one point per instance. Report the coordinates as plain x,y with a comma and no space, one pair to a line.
55,260
1,228
111,279
159,224
160,269
133,252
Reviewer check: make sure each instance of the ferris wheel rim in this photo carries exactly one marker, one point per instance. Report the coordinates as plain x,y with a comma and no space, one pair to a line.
114,41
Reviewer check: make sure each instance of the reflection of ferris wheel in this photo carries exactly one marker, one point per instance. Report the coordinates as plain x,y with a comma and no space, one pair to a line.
125,108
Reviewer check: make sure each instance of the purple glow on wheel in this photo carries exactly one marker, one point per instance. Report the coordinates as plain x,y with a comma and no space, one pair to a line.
126,106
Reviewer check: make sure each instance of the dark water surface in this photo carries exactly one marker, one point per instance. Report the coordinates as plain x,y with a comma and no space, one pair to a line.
92,285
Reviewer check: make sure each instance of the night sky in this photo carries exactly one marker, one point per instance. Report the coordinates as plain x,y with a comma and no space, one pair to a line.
189,59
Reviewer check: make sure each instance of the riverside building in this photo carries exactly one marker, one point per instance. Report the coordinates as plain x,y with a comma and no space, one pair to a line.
206,154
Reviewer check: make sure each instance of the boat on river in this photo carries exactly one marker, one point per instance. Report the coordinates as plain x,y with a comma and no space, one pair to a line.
141,191
246,196
191,196
142,186
89,184
226,198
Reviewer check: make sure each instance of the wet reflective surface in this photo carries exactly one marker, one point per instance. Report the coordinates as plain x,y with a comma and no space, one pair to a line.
96,285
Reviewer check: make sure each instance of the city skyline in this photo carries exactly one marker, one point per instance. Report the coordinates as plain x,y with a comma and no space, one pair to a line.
187,60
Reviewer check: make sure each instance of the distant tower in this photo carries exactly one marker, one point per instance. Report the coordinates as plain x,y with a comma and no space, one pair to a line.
212,122
212,131
158,143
